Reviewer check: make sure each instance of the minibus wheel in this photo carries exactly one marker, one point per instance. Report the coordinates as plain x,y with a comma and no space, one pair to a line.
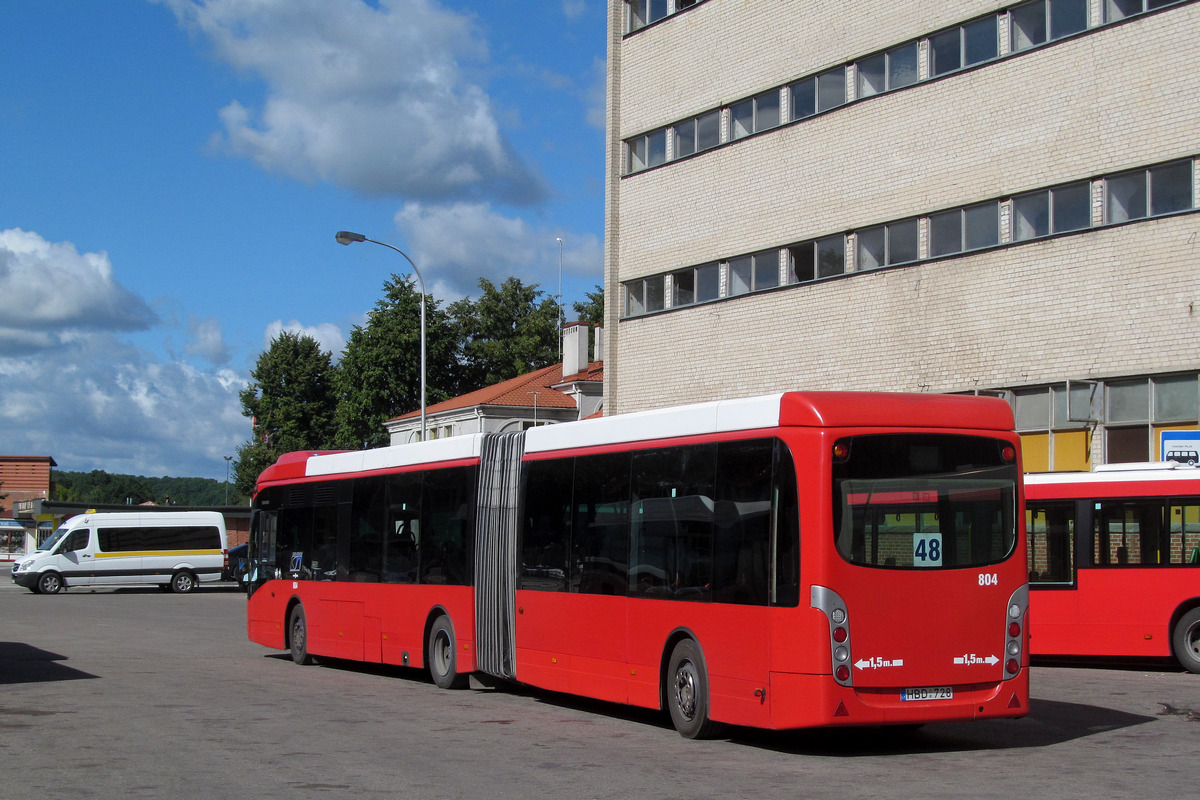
687,692
183,582
1185,640
49,583
443,658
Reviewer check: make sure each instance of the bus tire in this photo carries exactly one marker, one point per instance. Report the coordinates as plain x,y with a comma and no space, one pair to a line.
49,583
1185,640
298,636
687,692
442,655
183,582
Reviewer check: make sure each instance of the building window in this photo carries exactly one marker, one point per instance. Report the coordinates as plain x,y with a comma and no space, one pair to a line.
754,272
645,295
964,46
1176,399
696,134
1159,190
1120,9
816,94
819,258
756,114
1064,208
889,70
962,229
695,285
1046,20
708,283
644,12
884,245
635,298
683,288
647,150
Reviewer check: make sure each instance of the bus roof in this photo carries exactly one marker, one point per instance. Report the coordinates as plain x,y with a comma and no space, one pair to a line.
312,463
1115,480
804,409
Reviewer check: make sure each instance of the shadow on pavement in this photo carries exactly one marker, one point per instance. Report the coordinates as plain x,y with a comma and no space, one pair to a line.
1050,722
23,663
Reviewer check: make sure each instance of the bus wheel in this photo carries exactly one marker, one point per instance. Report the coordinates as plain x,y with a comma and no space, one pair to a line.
443,655
49,583
298,636
687,692
183,582
1185,640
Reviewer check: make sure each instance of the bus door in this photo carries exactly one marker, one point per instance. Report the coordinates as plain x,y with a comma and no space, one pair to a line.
571,625
260,563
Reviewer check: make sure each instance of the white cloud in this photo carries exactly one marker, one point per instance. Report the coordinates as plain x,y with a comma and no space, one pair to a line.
368,96
74,388
456,245
328,336
206,341
99,403
574,9
49,292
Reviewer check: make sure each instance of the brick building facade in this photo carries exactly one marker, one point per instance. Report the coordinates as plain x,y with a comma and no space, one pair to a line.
931,196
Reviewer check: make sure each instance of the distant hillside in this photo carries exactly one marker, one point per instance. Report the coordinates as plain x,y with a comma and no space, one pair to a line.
98,487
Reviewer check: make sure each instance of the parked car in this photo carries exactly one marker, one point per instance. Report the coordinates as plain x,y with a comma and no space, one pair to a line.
235,567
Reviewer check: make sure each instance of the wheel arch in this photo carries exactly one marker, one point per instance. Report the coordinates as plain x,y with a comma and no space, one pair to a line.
664,665
1184,607
436,611
292,602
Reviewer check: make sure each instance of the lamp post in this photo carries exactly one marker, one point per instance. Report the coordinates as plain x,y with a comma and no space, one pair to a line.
227,460
348,237
560,311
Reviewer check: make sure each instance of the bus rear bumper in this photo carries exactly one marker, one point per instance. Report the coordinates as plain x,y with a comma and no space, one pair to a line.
802,701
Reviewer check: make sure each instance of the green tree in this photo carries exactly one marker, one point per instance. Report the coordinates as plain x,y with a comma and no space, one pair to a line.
591,310
380,370
509,331
101,487
291,400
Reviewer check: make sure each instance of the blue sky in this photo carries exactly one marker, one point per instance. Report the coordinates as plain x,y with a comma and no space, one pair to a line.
173,173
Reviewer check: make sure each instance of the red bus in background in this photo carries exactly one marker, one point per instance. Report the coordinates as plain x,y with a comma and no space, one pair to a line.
1114,562
796,560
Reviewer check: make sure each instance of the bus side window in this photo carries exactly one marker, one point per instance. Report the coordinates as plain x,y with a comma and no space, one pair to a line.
1051,542
547,531
1183,523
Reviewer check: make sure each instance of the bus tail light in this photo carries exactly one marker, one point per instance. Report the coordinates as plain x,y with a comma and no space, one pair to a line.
831,604
1014,632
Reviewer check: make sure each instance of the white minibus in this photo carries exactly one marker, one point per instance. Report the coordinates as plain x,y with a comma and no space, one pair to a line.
174,549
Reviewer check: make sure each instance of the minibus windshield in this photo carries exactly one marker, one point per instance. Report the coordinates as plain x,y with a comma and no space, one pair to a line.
54,539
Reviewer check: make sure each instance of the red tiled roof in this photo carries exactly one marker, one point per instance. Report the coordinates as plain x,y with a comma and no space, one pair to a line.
519,392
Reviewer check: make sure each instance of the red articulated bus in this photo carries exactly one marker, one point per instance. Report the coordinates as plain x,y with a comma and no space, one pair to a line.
1114,562
796,560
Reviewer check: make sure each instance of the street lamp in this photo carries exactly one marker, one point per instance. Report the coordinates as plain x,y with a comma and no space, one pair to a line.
348,237
227,460
560,311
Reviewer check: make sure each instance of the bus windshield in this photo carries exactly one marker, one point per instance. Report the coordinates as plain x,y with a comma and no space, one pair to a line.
924,501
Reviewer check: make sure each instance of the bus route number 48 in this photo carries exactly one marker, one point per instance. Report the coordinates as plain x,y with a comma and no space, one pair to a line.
927,550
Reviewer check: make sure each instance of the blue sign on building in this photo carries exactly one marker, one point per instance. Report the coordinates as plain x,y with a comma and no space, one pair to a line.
1181,446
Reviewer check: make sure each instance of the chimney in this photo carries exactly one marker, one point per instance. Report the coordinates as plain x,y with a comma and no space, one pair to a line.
599,343
575,347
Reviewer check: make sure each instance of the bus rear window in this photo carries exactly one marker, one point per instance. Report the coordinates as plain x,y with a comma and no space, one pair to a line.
924,501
